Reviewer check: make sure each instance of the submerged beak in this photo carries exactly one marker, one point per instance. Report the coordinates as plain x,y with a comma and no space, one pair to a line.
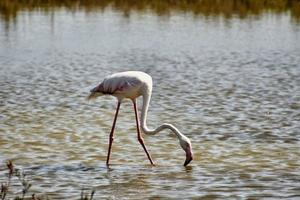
188,160
188,155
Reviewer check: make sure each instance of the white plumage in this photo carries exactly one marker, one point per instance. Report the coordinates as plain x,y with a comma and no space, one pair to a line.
132,84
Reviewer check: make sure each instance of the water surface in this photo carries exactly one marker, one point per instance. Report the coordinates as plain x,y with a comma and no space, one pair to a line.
232,85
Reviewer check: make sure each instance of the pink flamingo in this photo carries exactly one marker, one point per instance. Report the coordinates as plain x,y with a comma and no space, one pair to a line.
132,84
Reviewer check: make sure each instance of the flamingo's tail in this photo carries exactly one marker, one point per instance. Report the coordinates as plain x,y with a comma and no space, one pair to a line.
93,96
95,92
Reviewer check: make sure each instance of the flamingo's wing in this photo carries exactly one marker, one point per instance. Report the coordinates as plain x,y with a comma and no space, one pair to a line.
115,84
126,85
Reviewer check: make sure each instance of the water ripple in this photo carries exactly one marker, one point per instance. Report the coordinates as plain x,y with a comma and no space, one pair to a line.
239,105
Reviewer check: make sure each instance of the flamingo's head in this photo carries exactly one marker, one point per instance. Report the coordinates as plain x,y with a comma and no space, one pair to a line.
186,145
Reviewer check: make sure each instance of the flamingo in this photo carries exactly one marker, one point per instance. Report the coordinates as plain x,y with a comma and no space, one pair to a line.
131,85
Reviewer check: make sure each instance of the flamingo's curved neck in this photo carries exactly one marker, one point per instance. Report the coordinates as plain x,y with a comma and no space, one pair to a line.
146,100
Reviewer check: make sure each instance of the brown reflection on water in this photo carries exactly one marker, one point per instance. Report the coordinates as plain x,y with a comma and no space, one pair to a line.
227,8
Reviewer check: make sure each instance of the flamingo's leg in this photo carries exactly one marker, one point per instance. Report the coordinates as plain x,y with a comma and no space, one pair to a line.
140,138
111,135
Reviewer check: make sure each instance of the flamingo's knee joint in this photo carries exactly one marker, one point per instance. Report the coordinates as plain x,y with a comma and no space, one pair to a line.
141,140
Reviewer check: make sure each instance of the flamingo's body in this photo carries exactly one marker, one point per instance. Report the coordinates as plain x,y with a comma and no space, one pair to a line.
132,84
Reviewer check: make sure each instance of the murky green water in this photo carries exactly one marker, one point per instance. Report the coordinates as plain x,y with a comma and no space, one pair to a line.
231,85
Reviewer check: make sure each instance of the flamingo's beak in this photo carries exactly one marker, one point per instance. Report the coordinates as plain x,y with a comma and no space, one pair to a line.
189,157
188,160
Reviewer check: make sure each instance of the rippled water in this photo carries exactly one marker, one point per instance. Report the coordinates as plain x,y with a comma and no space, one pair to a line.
231,85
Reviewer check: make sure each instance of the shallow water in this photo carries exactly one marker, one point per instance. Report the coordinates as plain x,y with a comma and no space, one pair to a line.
231,85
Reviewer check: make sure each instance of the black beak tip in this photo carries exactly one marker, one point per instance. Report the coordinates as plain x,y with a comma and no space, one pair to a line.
187,161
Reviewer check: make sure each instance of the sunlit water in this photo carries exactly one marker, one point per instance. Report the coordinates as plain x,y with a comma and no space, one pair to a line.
231,85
